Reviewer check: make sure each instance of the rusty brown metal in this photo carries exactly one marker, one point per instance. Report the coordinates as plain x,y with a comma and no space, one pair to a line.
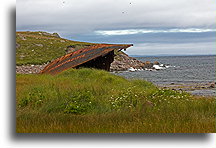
81,56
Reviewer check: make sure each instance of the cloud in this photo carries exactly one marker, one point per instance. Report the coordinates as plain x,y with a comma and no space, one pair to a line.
162,23
203,48
143,31
86,16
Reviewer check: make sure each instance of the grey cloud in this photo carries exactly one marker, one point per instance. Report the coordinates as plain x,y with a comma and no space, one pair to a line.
203,48
80,19
86,16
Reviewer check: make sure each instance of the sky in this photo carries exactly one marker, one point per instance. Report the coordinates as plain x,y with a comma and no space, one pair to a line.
155,27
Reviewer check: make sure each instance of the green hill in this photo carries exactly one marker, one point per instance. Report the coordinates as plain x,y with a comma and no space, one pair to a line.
42,47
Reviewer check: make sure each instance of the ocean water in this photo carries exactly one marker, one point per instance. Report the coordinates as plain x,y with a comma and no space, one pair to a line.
183,69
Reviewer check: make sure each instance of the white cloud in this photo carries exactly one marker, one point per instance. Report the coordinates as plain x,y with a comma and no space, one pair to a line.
142,31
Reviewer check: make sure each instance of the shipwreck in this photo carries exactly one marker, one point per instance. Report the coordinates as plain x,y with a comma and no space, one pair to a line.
98,56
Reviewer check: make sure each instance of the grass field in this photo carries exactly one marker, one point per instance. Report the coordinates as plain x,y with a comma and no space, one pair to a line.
95,101
41,47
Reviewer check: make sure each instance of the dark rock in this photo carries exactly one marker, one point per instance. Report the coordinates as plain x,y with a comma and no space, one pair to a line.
148,65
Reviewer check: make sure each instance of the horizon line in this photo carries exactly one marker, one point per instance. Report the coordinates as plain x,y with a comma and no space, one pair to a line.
161,55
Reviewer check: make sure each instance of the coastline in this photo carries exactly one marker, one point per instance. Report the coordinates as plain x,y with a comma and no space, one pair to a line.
197,89
193,74
173,71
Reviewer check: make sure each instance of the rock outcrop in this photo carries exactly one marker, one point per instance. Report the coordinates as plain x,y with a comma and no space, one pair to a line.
29,69
123,62
49,34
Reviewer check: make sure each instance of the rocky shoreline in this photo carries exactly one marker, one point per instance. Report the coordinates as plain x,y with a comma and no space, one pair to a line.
199,89
122,62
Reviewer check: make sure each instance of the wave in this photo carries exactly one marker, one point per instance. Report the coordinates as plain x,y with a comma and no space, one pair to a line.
153,68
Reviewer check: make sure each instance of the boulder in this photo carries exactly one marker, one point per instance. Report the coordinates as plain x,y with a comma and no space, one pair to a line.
156,63
148,65
123,62
56,35
39,45
70,49
147,62
211,85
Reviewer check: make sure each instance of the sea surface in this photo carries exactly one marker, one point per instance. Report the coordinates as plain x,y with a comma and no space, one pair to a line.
181,70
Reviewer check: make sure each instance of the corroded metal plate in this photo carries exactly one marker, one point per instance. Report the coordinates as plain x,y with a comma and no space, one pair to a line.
81,56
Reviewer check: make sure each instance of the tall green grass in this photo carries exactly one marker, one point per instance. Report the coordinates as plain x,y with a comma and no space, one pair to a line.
95,101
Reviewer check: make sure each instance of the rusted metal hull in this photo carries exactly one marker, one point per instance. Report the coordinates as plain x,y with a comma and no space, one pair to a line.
81,56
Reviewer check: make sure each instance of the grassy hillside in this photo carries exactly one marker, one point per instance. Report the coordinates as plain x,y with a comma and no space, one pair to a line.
95,101
41,47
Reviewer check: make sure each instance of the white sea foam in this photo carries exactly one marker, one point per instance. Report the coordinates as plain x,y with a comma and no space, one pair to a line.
154,68
159,67
131,69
